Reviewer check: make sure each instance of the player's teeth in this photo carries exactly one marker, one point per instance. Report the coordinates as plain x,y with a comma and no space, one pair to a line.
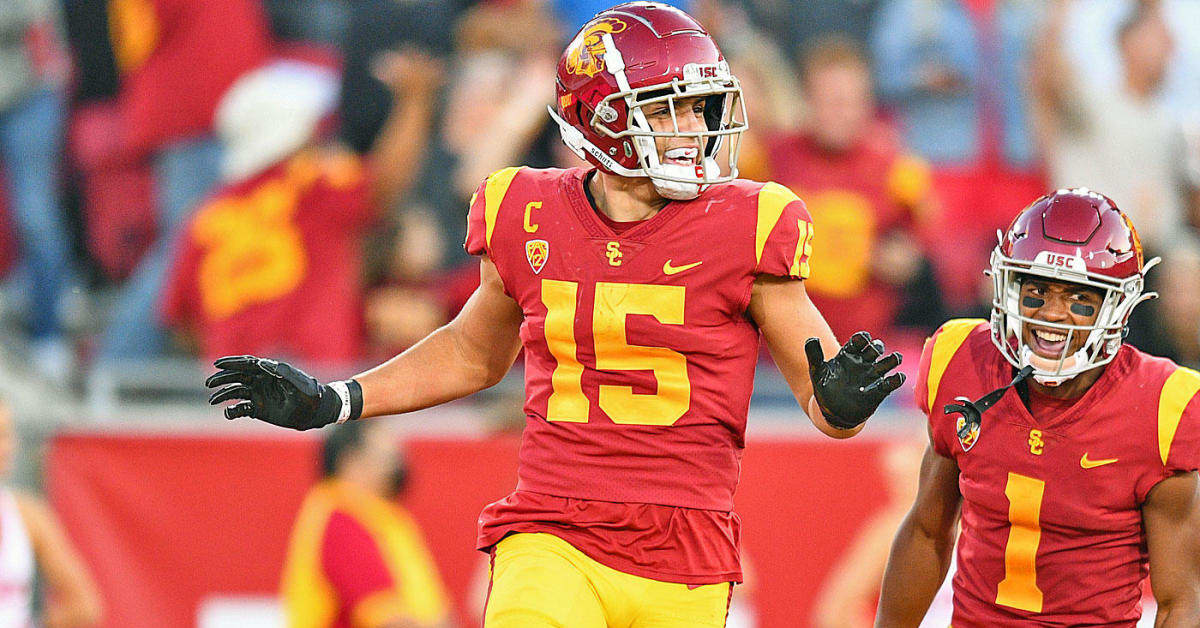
1049,336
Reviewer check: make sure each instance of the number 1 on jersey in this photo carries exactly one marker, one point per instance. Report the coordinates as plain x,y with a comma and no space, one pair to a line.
614,303
1019,588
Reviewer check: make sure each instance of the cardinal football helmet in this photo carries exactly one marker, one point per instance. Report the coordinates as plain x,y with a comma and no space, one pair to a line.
632,56
1075,236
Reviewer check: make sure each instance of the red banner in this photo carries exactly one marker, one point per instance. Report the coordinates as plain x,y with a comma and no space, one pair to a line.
168,521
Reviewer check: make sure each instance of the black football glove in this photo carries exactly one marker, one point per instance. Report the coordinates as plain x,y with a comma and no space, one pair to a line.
281,394
851,385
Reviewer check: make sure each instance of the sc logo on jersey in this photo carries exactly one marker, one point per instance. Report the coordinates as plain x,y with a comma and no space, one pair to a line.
613,253
1036,444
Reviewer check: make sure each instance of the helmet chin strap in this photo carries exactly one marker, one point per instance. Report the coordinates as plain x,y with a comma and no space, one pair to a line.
1045,367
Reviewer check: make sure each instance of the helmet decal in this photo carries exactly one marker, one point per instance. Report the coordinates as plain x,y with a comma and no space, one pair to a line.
585,55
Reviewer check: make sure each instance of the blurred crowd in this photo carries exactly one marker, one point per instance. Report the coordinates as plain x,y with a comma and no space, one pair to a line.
291,177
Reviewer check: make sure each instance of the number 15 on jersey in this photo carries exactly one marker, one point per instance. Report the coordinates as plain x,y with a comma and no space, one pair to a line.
613,303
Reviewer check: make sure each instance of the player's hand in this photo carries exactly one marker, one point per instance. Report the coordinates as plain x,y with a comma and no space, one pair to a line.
851,385
409,72
276,392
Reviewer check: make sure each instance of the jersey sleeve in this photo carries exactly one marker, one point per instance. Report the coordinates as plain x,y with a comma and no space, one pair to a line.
485,204
783,233
355,567
937,431
921,393
1179,422
935,359
476,242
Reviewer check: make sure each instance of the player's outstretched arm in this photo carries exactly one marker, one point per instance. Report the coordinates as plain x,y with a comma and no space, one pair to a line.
1172,517
468,354
840,393
921,552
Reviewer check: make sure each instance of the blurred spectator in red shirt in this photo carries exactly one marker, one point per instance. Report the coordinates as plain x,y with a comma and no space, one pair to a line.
867,197
175,59
415,296
290,220
356,557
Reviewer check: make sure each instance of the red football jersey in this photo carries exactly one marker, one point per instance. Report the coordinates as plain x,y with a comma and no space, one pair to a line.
254,255
639,358
1051,511
357,559
856,198
172,75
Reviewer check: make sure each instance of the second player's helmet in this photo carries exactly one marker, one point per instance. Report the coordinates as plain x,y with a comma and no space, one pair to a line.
1075,236
627,58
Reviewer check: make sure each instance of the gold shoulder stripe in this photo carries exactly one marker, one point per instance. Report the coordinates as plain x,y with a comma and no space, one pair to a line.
493,195
945,344
1177,391
772,198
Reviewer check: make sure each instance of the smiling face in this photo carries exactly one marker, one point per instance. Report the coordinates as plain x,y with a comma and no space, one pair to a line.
1057,302
689,115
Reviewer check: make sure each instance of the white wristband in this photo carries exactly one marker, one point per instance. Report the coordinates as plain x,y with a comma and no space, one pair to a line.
343,393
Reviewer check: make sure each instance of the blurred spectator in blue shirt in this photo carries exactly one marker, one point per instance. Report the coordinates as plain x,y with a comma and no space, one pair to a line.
949,68
953,73
32,69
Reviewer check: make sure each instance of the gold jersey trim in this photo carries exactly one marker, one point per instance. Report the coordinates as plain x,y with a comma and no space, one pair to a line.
493,194
945,344
772,199
1177,391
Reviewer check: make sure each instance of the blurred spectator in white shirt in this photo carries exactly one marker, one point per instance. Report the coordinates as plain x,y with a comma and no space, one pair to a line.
1118,137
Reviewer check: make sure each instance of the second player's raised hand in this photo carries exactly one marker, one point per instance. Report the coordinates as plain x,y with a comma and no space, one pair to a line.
851,385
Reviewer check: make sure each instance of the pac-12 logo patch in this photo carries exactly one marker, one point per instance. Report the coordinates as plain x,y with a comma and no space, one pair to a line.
536,251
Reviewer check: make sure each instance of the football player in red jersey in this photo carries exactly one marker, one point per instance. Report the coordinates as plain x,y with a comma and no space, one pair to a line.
1075,470
638,290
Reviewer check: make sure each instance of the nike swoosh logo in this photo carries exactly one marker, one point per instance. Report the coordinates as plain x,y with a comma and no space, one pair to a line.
1091,464
671,270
